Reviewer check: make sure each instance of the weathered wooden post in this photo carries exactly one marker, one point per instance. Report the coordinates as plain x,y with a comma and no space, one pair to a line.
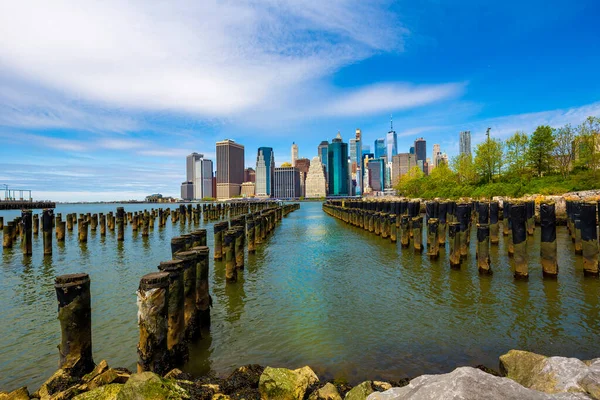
483,212
433,247
1,222
589,238
7,235
47,230
239,247
230,259
134,223
203,301
120,222
483,249
61,227
506,229
417,230
251,235
102,225
153,314
548,240
385,225
75,316
494,228
145,225
462,216
519,235
94,224
189,258
530,216
199,238
83,231
176,325
442,220
177,245
219,230
404,231
393,229
36,224
26,243
454,239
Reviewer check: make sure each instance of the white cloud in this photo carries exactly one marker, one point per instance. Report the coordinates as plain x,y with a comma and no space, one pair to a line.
389,97
209,58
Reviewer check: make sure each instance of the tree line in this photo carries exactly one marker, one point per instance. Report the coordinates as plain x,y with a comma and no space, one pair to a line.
549,161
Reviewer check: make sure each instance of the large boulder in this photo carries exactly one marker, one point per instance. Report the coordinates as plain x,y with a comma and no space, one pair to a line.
327,392
150,386
107,392
285,384
60,381
18,394
552,374
467,383
360,392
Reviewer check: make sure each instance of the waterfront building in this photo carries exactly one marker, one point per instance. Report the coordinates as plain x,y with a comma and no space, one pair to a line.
379,148
248,189
436,154
465,142
356,162
187,191
230,169
337,164
401,164
199,171
315,185
303,165
391,143
294,153
249,175
421,152
377,168
323,149
286,182
265,168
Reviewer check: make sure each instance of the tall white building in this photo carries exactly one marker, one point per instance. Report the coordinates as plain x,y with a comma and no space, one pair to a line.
465,142
316,185
199,171
294,153
265,168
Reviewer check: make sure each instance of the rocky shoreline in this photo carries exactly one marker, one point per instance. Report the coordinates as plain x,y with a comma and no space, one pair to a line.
523,375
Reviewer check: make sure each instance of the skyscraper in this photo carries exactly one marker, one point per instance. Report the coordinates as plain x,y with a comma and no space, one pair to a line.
377,168
294,153
265,167
303,165
230,169
337,163
391,143
315,185
401,164
379,149
199,174
286,182
356,162
322,152
249,175
465,142
421,152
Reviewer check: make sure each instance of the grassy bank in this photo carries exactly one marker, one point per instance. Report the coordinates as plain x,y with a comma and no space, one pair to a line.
449,186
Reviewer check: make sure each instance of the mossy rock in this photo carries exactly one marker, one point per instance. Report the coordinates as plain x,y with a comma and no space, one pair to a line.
18,394
360,392
107,392
285,384
150,386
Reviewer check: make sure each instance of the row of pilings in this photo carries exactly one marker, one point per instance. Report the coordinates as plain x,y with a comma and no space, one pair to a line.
52,225
450,223
173,303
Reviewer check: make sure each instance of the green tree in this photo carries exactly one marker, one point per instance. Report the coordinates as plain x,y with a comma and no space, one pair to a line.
588,143
488,158
409,183
541,146
563,154
516,152
462,166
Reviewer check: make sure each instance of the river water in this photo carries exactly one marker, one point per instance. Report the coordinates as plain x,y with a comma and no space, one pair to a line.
318,292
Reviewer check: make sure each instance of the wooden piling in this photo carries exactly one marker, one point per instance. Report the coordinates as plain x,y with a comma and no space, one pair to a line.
494,228
251,235
519,237
589,238
417,230
189,258
178,351
483,249
7,235
454,239
219,232
203,301
75,316
120,224
47,230
230,257
240,238
548,240
393,229
26,243
153,313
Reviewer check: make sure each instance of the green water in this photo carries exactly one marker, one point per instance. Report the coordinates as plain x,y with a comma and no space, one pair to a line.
318,292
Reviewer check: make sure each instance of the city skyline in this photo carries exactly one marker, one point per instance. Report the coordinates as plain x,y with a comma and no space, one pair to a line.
113,120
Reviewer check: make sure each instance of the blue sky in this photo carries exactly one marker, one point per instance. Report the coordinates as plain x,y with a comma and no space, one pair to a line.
103,100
